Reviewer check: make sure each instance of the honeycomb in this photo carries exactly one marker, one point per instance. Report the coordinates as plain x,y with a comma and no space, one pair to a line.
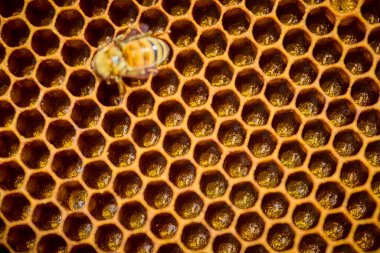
260,132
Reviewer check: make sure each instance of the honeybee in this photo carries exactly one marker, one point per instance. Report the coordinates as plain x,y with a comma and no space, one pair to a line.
134,54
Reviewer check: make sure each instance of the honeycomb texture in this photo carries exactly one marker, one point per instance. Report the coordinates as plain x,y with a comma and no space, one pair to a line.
260,132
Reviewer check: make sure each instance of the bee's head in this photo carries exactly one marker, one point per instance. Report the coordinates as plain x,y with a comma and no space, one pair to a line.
108,62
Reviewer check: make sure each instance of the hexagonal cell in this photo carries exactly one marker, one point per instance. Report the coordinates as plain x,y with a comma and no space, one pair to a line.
228,3
305,216
361,205
140,103
75,52
15,32
322,164
358,60
351,30
243,195
132,215
344,7
8,113
15,206
273,62
81,83
45,42
279,92
77,227
372,152
256,249
52,243
83,248
206,13
55,103
67,164
5,81
121,153
312,242
195,93
262,143
164,226
299,185
60,133
39,12
8,9
250,226
268,174
367,237
374,40
152,164
40,185
337,226
183,33
123,12
189,63
330,195
97,175
21,62
290,12
310,102
25,93
207,153
51,73
127,184
98,31
213,184
281,237
35,154
188,205
274,205
231,134
255,113
91,143
212,42
354,174
369,123
347,143
102,205
195,236
286,123
171,113
249,83
11,176
320,21
296,42
235,21
344,248
176,143
108,93
225,103
303,72
9,144
47,216
260,7
226,241
292,154
365,92
370,11
219,73
93,8
327,51
155,19
237,164
72,195
266,31
30,123
21,238
116,123
219,215
158,194
316,133
182,173
165,83
334,82
139,243
69,22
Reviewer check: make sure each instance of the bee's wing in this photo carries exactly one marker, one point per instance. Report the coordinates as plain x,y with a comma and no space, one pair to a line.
142,73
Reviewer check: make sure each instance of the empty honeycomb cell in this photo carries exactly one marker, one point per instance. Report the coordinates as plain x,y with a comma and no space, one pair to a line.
93,8
235,21
369,123
351,30
123,12
171,113
132,215
370,11
98,32
35,154
170,247
158,194
299,185
279,92
25,92
63,3
195,236
374,40
334,82
237,164
15,206
260,7
5,81
86,113
312,243
226,242
189,63
165,83
9,144
273,62
213,184
266,31
21,62
201,123
322,164
15,32
305,216
347,143
225,103
249,83
182,33
296,42
55,103
344,248
250,226
182,173
69,22
219,215
327,51
274,205
176,8
121,153
82,248
155,19
81,83
51,73
40,185
336,226
152,163
8,9
176,143
66,164
46,216
8,113
367,237
97,175
72,195
207,153
365,92
219,73
45,42
188,205
372,152
147,3
52,243
206,13
195,93
39,12
30,123
164,226
231,134
290,12
243,195
262,143
310,102
127,184
281,237
354,174
286,123
316,133
75,52
139,243
292,154
102,205
212,43
358,60
268,174
77,226
11,176
330,195
255,113
60,133
303,72
361,205
320,21
140,103
146,133
21,238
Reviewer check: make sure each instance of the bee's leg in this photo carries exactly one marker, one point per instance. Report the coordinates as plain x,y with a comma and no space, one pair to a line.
120,85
